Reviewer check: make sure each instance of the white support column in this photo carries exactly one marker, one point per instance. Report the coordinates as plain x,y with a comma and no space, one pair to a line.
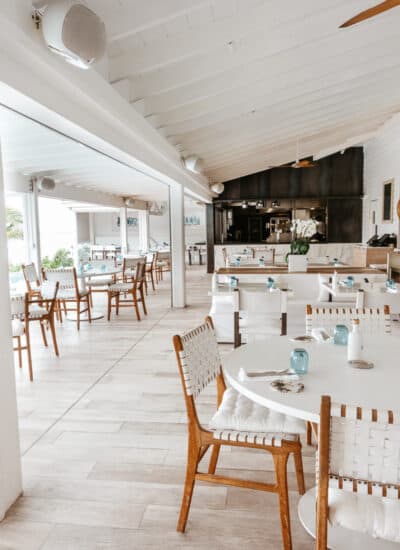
176,216
123,226
10,460
144,233
92,236
32,227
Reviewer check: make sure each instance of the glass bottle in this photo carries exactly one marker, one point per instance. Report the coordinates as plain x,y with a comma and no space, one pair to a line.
354,346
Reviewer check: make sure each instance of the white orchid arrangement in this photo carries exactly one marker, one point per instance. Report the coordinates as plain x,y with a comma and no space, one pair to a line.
303,229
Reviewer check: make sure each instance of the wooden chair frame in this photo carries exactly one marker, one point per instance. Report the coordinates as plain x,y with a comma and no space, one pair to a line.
161,268
27,347
47,319
201,439
33,291
150,271
136,292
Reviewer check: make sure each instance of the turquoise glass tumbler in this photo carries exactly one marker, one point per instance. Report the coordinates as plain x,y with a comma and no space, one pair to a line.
270,282
299,361
341,335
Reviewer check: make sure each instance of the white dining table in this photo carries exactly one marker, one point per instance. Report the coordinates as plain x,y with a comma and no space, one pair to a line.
89,274
329,374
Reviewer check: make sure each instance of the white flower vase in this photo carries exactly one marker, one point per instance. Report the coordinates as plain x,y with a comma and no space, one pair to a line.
297,262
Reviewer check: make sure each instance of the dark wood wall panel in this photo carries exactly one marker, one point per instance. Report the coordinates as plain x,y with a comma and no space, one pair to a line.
210,237
344,220
334,176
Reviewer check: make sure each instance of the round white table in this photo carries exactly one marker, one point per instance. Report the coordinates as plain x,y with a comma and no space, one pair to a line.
329,374
92,273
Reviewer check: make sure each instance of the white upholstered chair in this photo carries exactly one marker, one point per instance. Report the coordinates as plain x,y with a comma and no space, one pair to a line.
238,422
259,313
372,320
358,474
32,279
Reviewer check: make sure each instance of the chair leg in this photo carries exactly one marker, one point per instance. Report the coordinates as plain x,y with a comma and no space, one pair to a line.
143,302
91,298
298,464
136,306
152,280
43,331
280,461
19,351
109,305
191,469
53,335
28,351
145,286
309,433
117,298
78,314
89,311
214,459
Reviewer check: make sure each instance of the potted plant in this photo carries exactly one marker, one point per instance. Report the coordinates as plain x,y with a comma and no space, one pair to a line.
302,231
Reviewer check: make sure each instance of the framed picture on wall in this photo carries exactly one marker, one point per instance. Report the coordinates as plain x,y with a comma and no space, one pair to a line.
387,201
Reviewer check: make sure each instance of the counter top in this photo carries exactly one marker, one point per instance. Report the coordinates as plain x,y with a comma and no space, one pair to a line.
282,268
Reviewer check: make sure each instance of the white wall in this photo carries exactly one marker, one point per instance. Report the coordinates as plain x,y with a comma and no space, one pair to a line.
159,228
83,227
195,233
106,230
381,163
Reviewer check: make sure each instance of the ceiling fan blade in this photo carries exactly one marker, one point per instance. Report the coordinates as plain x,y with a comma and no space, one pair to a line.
371,12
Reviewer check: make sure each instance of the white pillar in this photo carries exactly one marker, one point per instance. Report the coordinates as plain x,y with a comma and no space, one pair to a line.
123,227
92,236
10,461
177,230
144,233
32,227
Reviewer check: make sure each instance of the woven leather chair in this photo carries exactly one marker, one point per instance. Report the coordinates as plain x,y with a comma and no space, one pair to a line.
32,280
358,474
134,289
70,292
200,364
372,320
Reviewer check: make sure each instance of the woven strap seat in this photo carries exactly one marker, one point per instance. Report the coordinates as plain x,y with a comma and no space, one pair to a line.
240,414
121,287
273,439
35,312
100,281
69,294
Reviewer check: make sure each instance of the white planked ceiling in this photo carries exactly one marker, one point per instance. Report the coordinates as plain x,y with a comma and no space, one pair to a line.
238,81
33,150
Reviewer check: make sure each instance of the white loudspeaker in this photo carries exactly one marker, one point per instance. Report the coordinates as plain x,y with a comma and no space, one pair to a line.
75,32
218,188
194,164
46,184
129,202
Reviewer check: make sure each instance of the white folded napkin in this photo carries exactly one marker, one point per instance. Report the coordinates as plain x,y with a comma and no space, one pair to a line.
321,335
245,376
392,290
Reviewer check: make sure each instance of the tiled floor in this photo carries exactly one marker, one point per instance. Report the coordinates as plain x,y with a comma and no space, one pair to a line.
104,445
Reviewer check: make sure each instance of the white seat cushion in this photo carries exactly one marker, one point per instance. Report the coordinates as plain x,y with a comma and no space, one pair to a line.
238,413
100,281
36,312
121,287
376,516
17,327
69,294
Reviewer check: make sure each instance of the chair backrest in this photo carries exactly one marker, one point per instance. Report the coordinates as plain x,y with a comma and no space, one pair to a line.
258,308
65,276
30,274
140,274
378,299
372,320
198,358
358,451
267,254
19,306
